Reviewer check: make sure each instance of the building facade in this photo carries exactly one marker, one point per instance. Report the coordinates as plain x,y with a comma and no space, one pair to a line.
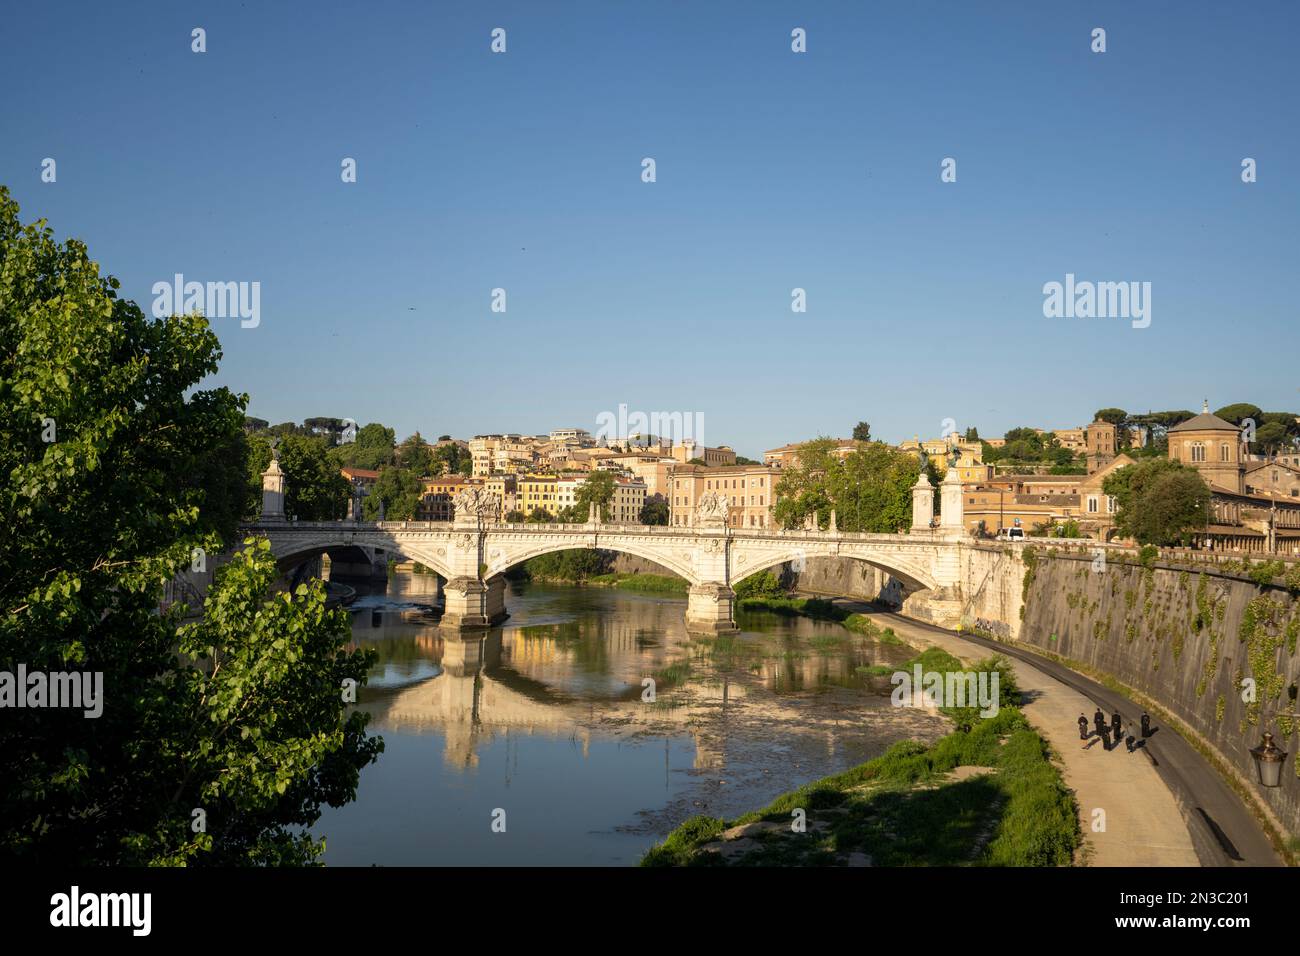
712,457
750,492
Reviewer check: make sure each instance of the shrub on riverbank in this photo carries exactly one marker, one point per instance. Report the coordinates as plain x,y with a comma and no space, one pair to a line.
863,624
762,584
816,608
642,581
570,567
593,567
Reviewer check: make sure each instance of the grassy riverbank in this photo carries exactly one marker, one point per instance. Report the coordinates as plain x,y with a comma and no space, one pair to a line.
819,609
652,583
659,583
987,794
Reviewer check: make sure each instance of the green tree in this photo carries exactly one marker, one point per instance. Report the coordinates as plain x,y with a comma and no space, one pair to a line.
576,564
258,732
572,514
760,584
1171,418
598,489
1021,450
103,443
451,459
654,511
862,431
1064,529
1270,437
314,489
400,489
328,428
372,449
1239,412
415,455
870,488
1159,501
1115,416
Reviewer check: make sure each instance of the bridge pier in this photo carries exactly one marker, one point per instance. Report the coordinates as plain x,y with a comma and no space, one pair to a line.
710,608
467,655
469,603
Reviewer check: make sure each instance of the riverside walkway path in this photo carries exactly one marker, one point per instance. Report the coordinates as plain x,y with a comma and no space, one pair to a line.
1164,805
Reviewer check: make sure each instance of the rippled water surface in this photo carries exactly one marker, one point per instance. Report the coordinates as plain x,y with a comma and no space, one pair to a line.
542,723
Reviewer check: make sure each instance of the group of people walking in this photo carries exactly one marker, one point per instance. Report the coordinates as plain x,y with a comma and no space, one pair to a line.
1115,729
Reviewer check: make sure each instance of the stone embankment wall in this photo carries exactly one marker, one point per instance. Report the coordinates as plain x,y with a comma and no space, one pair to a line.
1189,638
843,577
990,597
1196,637
993,589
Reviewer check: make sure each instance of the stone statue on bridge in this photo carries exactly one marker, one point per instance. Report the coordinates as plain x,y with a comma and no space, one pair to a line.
712,509
474,506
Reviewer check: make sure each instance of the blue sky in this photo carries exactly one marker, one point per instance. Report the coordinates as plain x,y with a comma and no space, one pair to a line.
775,170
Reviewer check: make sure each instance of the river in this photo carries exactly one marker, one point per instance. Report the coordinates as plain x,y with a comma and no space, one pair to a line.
533,745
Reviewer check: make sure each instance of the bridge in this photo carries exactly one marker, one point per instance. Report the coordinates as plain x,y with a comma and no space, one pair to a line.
473,551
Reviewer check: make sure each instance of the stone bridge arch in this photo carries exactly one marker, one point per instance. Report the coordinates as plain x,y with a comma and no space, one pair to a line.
501,556
292,548
914,575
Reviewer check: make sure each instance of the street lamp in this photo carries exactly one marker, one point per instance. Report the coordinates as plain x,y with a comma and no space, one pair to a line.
1268,761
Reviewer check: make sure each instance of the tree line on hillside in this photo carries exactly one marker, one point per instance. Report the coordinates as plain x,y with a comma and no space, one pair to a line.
1025,446
1273,433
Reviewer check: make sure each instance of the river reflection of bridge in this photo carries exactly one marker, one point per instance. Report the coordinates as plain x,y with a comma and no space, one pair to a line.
581,677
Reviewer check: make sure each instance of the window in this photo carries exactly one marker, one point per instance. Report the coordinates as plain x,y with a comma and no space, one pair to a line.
1223,451
1198,451
1110,504
1092,504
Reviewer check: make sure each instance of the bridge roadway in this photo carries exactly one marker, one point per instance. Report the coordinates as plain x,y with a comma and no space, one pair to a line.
472,554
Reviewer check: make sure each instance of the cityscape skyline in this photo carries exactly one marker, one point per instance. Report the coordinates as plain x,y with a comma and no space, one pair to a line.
776,171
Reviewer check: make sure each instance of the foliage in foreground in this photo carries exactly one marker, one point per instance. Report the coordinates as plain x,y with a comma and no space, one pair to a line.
113,469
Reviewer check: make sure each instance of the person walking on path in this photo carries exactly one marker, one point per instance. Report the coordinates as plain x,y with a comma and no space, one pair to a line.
1083,727
1146,724
1116,726
1099,721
